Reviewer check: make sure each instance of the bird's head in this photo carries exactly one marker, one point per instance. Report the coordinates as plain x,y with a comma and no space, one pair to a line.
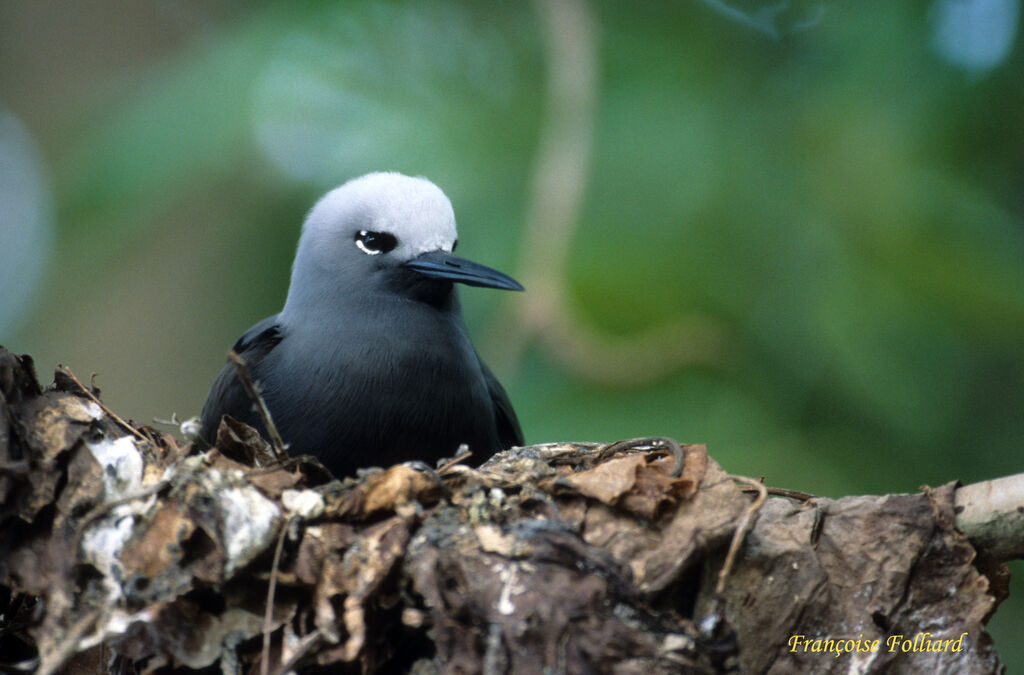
382,232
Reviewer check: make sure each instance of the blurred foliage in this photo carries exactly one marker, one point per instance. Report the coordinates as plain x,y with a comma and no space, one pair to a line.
840,185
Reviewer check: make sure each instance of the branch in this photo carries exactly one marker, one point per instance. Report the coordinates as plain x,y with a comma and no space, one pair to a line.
558,184
991,514
257,400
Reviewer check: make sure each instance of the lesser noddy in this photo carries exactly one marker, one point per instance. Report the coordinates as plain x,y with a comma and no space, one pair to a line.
370,362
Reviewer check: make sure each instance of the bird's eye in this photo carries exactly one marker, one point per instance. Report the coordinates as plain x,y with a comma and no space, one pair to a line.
375,243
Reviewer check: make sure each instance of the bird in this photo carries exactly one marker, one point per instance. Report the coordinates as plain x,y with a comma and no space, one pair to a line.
370,361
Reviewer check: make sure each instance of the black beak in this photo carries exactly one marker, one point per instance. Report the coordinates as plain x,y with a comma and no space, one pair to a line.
445,266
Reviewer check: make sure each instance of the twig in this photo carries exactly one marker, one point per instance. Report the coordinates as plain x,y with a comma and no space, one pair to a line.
711,621
18,466
97,401
52,662
459,458
261,407
494,661
305,644
278,465
652,442
268,616
173,422
746,522
786,492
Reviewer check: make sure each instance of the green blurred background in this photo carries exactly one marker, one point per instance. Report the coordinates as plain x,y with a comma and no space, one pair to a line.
794,232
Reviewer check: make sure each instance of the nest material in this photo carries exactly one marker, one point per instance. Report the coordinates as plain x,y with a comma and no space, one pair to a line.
121,548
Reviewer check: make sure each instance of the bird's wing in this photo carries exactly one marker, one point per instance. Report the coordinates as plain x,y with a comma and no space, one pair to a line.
509,432
227,396
259,339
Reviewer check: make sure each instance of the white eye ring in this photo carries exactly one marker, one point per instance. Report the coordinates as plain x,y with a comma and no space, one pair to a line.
366,249
375,243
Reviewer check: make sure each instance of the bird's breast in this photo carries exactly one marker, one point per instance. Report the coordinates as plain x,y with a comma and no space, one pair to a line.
375,396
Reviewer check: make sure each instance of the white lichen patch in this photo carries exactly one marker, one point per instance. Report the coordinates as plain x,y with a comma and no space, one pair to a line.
102,544
190,428
305,504
510,587
247,520
116,622
92,410
122,466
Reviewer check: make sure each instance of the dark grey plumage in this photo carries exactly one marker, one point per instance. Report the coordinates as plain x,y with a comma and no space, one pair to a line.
369,362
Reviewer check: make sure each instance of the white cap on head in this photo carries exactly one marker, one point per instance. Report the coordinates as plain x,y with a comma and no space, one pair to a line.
414,210
329,265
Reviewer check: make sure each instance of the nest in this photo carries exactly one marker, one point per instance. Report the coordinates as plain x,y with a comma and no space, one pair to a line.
123,548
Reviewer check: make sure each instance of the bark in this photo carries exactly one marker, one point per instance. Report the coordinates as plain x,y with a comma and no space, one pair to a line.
122,548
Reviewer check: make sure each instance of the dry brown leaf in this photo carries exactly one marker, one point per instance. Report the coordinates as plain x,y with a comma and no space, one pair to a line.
610,480
273,483
318,542
398,485
695,465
